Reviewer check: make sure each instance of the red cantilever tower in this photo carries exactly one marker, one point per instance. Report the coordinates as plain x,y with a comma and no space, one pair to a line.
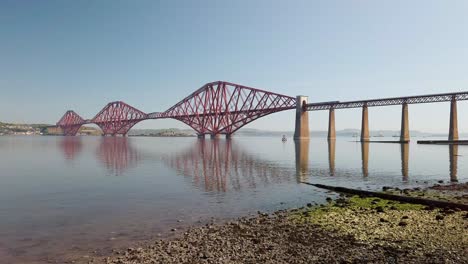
70,123
117,118
223,107
216,108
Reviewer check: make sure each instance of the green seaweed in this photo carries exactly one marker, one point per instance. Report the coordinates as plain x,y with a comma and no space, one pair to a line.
354,203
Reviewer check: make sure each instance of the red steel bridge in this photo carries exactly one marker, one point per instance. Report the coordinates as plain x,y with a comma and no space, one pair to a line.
216,108
223,108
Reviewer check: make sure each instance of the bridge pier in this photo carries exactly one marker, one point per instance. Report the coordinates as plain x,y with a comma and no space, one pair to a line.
364,125
453,127
301,131
228,136
331,124
201,136
404,135
215,136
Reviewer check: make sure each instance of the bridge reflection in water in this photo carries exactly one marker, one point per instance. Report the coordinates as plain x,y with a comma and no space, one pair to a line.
404,150
70,146
453,158
221,165
365,158
331,156
117,154
302,159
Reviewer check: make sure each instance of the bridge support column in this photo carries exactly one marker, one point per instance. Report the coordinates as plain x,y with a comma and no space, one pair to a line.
453,129
215,136
201,136
364,125
404,135
331,124
228,136
302,119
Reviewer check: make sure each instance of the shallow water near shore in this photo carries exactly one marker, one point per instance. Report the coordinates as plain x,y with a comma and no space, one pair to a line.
73,195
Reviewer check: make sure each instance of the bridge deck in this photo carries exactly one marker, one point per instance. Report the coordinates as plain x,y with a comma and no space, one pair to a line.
420,99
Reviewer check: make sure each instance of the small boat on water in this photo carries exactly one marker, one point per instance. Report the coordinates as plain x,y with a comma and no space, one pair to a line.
284,139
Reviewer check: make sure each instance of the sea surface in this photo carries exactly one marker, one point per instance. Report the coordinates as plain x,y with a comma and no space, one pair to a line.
73,196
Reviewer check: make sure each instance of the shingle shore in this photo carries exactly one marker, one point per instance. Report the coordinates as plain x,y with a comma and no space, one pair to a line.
365,231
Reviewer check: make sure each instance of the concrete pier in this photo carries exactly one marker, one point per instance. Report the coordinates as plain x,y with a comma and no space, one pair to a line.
331,124
201,136
364,125
228,136
404,135
302,159
453,127
215,136
301,131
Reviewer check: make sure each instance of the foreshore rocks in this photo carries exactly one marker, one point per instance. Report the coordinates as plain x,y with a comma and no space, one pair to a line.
348,230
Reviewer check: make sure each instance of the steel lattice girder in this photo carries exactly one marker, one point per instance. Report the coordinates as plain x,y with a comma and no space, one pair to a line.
70,123
431,98
118,118
223,108
215,108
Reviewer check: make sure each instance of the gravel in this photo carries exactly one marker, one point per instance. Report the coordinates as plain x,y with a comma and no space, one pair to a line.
348,230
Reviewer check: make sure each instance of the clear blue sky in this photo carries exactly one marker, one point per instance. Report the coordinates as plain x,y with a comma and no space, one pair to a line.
59,55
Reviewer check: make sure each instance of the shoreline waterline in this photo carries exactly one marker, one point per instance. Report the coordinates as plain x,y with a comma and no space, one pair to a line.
346,229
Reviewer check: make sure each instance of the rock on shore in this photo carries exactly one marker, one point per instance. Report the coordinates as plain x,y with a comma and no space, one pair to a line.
355,230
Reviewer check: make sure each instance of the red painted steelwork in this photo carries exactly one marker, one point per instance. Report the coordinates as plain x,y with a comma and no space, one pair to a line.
223,108
70,123
116,118
216,108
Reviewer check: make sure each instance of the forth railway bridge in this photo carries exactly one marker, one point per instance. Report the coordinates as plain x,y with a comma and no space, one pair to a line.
222,108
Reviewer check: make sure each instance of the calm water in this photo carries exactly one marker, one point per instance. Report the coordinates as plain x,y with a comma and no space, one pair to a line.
65,195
